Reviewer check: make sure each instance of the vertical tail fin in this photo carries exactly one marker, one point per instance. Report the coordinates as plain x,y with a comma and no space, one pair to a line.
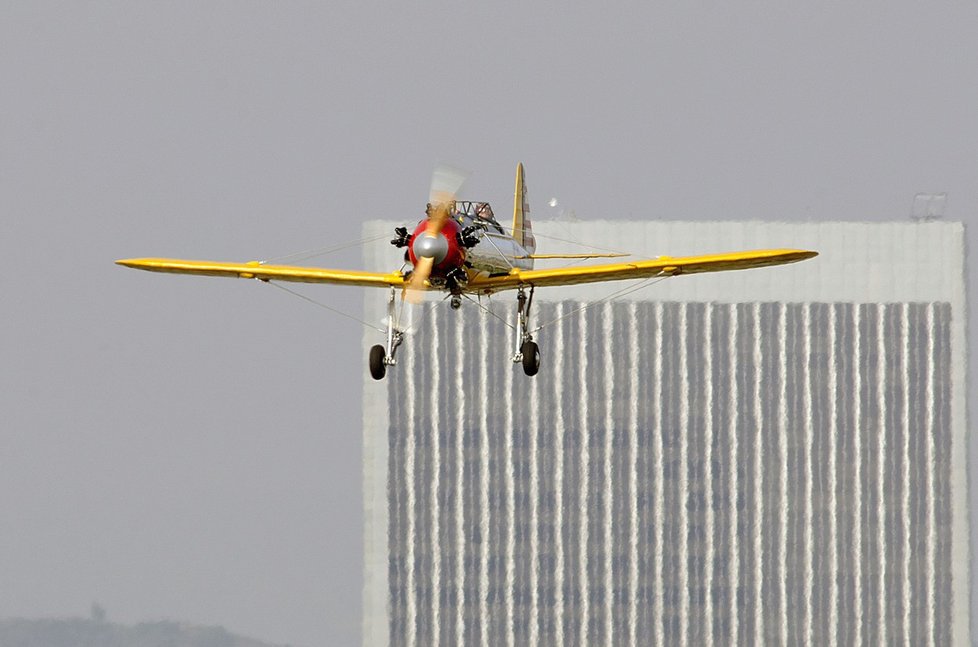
522,231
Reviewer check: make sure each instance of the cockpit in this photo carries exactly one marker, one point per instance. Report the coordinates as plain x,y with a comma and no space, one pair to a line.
468,213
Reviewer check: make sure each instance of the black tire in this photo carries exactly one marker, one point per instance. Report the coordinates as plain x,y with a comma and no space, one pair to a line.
531,357
378,369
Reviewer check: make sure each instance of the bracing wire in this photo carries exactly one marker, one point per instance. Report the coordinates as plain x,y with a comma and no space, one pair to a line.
322,251
428,307
425,311
489,311
620,293
324,306
652,280
537,234
504,256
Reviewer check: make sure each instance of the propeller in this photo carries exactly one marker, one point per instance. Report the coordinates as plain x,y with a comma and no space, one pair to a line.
446,181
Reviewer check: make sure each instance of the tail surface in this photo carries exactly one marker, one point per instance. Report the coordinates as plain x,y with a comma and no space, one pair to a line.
522,232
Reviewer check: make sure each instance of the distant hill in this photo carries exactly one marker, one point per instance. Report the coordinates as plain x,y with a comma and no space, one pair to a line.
78,632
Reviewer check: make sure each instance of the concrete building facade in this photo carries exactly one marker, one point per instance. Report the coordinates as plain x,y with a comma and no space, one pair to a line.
768,456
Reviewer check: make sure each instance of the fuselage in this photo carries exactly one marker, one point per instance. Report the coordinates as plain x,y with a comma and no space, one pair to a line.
498,254
470,243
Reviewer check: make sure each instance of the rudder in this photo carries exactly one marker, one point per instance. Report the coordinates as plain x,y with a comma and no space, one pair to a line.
522,231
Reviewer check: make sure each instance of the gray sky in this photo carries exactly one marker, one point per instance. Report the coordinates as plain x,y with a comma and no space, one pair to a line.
190,448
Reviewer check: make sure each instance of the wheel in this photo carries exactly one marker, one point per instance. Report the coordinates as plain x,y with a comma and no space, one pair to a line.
378,369
531,357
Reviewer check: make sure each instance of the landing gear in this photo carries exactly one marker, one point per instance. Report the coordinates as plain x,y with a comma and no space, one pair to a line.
378,366
381,357
455,281
531,357
529,352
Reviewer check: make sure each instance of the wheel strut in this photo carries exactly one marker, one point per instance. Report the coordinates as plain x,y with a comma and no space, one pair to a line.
524,339
383,356
394,336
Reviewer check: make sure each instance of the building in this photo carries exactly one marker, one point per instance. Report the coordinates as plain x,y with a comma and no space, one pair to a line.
774,455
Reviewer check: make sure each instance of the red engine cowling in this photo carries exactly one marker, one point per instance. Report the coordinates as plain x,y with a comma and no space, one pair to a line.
444,247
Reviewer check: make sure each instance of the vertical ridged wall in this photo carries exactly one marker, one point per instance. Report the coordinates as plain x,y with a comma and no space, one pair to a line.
677,473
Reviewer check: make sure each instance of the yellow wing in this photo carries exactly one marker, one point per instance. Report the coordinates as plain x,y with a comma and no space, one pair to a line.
256,270
661,266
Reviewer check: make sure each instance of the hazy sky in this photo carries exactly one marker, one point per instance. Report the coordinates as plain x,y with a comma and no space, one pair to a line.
190,448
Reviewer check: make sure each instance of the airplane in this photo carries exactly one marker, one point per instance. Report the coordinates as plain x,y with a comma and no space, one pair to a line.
459,248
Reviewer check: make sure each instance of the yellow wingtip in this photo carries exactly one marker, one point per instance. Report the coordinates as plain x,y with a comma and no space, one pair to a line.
138,263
